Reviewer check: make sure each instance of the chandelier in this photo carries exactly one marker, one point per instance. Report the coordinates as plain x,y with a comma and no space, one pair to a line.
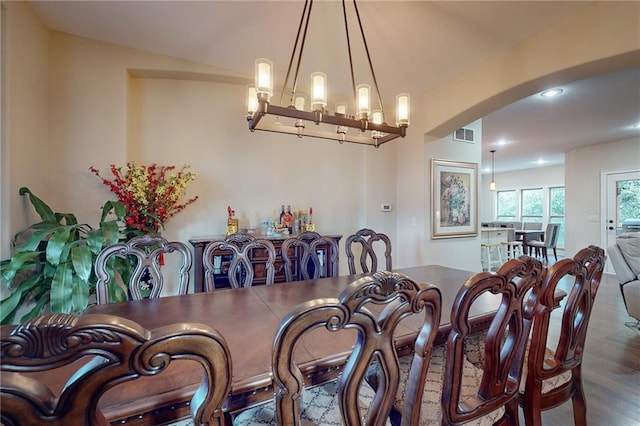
360,125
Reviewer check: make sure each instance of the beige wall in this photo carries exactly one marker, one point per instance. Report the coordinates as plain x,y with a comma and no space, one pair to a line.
96,104
583,169
25,142
601,38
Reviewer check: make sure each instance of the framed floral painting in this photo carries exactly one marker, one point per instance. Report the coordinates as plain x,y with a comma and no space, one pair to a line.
454,192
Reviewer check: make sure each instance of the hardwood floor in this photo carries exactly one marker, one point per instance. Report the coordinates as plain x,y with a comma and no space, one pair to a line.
610,366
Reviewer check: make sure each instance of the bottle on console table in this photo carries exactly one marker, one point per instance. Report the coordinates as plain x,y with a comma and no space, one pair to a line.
287,220
281,219
232,221
310,226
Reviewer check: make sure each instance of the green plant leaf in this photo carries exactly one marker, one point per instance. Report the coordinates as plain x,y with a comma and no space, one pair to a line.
25,289
8,307
69,218
61,289
119,210
80,296
37,309
82,260
56,245
17,264
95,240
40,206
110,232
41,234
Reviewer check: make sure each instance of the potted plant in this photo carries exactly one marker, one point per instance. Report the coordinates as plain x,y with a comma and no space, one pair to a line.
52,266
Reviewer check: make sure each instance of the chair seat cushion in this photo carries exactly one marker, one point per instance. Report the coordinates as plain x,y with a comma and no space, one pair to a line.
431,411
474,353
630,247
319,407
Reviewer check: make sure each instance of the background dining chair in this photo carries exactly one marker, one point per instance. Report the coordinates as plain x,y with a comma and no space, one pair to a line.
367,240
550,242
317,252
116,351
147,278
532,226
454,391
246,253
513,247
553,373
394,297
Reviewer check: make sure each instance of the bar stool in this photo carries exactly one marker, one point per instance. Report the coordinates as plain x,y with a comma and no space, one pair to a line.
492,252
511,248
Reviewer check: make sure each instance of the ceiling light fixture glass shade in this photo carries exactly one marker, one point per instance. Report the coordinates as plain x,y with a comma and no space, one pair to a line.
365,127
492,185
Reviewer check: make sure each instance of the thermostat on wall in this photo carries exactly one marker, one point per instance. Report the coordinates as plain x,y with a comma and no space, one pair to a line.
385,207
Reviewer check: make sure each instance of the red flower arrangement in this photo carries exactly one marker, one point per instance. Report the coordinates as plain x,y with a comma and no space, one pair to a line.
151,194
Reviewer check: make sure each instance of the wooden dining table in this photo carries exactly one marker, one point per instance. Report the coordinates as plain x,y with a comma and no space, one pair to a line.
248,319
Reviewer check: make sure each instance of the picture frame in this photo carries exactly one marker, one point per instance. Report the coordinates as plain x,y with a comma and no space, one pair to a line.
454,199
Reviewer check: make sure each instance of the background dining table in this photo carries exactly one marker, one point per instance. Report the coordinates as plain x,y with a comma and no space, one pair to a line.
248,318
529,235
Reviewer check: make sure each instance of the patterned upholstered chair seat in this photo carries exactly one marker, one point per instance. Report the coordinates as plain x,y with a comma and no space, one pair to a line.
474,352
319,407
431,412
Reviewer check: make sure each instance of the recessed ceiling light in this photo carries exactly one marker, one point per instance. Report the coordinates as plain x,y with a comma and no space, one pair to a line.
503,142
551,93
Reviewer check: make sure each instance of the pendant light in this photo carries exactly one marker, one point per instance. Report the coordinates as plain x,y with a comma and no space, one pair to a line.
361,125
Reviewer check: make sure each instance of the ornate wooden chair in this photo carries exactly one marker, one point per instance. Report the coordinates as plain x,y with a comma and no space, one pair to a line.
118,351
393,296
454,391
147,278
554,373
311,265
244,258
367,238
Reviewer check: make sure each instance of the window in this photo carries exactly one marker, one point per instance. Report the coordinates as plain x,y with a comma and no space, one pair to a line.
532,203
556,210
506,205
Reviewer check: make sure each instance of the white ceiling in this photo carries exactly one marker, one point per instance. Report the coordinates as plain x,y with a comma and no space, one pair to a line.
414,46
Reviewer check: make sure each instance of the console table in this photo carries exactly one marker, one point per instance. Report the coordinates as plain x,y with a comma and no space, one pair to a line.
199,244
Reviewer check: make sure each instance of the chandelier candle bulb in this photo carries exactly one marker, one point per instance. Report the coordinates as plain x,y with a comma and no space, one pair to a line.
299,101
364,101
252,99
318,91
402,112
264,77
341,109
377,118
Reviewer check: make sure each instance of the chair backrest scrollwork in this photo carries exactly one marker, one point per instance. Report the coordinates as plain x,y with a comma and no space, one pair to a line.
147,279
367,239
395,296
311,265
240,271
116,351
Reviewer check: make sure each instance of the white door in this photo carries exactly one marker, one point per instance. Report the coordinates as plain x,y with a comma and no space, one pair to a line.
621,203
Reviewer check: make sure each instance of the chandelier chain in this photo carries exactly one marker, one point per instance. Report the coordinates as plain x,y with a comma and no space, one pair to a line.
366,48
346,30
304,20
